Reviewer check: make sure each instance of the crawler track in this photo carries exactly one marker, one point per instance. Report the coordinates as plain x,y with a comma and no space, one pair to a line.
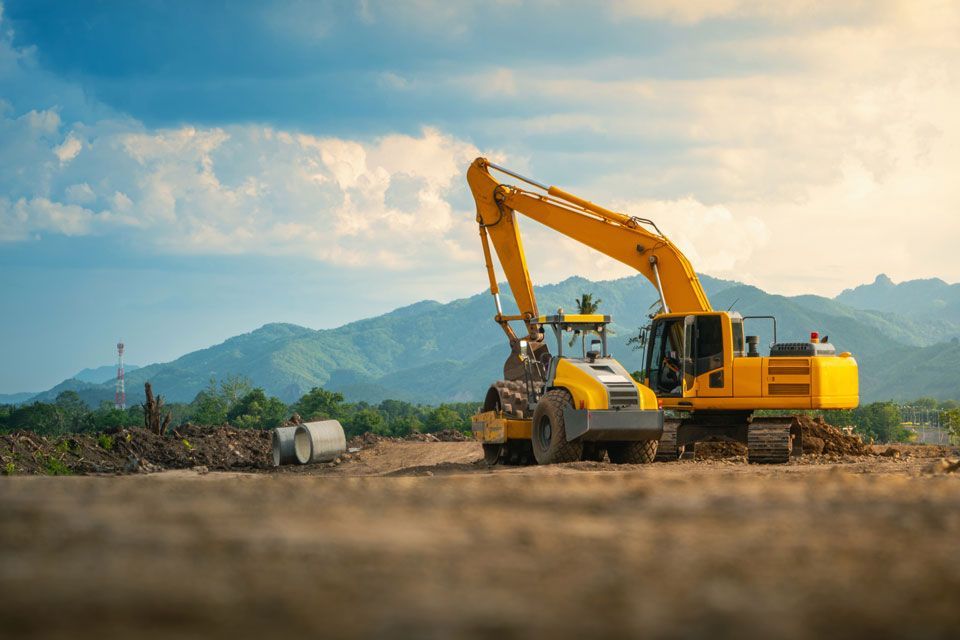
770,441
667,451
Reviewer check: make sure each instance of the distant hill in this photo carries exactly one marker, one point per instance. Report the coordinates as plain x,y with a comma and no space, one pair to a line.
16,398
906,373
426,351
432,352
931,299
106,373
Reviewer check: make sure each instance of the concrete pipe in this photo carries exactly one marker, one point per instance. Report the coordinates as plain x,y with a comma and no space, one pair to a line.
284,450
319,441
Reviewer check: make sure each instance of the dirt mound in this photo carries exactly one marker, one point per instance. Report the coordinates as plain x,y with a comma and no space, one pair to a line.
822,438
370,439
720,449
447,435
944,465
819,438
452,435
134,450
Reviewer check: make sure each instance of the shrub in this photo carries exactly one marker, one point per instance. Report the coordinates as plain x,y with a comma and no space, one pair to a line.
105,441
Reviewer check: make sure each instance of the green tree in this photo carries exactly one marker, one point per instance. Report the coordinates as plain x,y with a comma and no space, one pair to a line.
395,409
320,404
404,426
951,422
442,418
209,407
880,421
74,410
586,305
107,416
366,419
70,401
256,410
839,417
233,388
40,417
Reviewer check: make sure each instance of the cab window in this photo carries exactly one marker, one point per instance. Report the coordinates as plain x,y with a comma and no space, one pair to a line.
709,349
664,356
738,345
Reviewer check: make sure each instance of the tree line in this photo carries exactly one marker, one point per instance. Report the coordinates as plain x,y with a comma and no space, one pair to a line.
884,421
235,401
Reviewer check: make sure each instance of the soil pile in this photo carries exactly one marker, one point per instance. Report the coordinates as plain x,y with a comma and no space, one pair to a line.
819,438
452,435
370,439
136,449
719,449
822,438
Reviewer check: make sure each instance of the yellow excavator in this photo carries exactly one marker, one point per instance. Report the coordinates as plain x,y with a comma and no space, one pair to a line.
699,364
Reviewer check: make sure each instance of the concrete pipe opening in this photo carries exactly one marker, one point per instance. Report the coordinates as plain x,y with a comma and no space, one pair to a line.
284,451
321,441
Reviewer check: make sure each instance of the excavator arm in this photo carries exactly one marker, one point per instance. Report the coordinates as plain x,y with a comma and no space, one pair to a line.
633,241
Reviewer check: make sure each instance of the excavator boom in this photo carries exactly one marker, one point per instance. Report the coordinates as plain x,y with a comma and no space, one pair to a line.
631,240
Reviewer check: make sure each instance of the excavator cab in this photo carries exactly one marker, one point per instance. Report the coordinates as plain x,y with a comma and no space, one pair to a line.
682,348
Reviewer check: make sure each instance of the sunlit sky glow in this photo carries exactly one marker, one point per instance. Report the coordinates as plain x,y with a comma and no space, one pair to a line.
178,172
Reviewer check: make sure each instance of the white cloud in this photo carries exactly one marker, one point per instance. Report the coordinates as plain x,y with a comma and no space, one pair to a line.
715,240
69,150
20,219
834,123
44,122
391,80
121,202
248,189
842,124
80,193
694,11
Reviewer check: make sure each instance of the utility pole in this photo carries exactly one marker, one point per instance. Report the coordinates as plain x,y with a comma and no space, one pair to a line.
120,396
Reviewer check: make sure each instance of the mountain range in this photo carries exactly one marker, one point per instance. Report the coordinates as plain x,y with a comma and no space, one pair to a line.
905,337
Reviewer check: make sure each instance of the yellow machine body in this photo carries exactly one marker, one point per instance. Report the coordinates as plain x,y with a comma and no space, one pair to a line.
730,380
491,427
743,383
589,392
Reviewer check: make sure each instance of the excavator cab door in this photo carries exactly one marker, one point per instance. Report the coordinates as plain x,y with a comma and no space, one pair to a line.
686,356
665,356
689,354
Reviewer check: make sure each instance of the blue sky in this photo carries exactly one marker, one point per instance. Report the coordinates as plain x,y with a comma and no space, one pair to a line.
178,172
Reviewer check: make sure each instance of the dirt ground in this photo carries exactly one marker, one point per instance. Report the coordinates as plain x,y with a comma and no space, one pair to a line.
421,540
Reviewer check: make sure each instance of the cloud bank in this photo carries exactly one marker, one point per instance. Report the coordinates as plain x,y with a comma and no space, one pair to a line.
792,145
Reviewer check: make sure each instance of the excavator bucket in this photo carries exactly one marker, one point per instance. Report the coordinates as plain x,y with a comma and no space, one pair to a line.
515,369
